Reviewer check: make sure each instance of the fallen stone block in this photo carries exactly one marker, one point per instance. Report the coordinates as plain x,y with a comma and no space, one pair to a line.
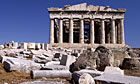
55,67
41,59
37,46
48,54
1,46
113,70
21,65
46,46
4,58
50,73
76,54
23,46
116,79
2,53
55,59
52,63
14,45
57,55
76,75
86,79
20,56
25,52
31,45
67,60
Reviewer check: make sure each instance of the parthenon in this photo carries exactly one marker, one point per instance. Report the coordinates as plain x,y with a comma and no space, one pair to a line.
82,24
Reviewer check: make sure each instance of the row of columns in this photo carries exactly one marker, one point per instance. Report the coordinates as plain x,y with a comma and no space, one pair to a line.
92,35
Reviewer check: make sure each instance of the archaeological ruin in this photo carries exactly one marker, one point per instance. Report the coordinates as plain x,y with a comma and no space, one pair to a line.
82,25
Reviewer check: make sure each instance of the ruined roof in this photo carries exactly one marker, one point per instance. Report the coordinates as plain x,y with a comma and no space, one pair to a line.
84,7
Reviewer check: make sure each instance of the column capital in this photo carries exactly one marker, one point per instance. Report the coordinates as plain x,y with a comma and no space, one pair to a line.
81,18
71,18
92,18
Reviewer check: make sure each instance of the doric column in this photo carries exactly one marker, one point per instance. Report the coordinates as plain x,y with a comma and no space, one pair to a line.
102,40
81,31
113,38
118,33
60,40
92,31
122,31
108,33
71,31
51,37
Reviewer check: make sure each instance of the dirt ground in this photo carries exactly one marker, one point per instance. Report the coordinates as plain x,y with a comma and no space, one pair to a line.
132,72
16,77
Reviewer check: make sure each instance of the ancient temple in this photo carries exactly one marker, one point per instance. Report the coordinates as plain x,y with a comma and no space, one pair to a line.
86,25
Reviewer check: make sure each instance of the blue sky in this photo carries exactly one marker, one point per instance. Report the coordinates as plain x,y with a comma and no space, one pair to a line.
28,20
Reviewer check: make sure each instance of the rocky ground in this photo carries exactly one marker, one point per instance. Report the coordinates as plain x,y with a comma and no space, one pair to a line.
84,65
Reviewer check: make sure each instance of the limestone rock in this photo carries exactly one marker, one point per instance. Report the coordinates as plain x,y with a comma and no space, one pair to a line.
23,46
113,70
67,60
1,46
57,55
25,52
41,59
37,46
14,45
2,53
131,63
116,79
99,59
77,74
86,79
21,65
52,63
31,45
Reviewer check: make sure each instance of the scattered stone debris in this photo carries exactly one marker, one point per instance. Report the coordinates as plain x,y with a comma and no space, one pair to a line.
99,59
86,65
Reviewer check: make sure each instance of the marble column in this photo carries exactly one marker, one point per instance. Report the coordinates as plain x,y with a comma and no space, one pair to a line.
122,31
60,40
113,38
81,39
51,37
118,33
92,31
71,31
102,32
108,33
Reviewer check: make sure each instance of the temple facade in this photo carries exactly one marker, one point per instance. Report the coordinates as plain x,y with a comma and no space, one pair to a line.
82,24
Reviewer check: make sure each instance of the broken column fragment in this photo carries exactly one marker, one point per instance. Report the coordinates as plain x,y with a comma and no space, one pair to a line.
50,73
67,60
21,65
